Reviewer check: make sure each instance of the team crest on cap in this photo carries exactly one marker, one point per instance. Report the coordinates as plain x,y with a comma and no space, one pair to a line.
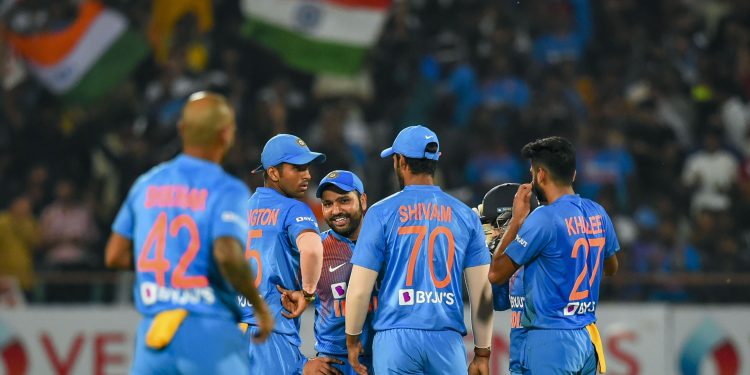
333,174
301,142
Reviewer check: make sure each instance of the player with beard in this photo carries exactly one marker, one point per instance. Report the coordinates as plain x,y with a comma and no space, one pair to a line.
344,202
285,248
423,244
564,246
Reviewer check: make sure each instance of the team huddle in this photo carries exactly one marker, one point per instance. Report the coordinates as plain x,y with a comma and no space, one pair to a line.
223,275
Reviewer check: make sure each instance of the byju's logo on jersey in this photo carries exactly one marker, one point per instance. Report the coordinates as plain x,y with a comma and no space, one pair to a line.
338,290
579,308
406,297
152,293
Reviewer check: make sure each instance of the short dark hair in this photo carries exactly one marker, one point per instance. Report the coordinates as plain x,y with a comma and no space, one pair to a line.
556,154
424,166
277,166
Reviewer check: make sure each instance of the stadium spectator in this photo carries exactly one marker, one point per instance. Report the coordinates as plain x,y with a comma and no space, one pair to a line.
710,174
661,73
68,230
19,236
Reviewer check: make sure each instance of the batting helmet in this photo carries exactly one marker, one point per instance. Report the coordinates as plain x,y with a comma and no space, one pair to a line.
497,205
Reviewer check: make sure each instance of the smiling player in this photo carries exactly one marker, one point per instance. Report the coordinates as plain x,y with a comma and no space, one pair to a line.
344,202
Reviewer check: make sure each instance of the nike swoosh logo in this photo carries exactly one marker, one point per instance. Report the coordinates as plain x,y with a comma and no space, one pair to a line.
427,136
331,269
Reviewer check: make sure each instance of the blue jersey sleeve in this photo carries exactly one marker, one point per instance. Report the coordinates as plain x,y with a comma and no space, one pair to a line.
611,245
230,212
535,234
299,219
124,223
501,297
477,254
370,249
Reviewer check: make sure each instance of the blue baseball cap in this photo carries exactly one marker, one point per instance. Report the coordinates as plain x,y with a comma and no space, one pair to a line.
411,142
287,148
344,180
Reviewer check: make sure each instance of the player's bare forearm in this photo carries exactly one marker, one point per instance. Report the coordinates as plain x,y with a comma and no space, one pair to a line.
235,269
502,267
361,283
119,252
310,259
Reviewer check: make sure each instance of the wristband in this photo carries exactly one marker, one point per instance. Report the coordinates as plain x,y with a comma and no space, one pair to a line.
482,352
309,297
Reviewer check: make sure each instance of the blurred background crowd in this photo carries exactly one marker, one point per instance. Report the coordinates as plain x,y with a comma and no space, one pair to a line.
654,94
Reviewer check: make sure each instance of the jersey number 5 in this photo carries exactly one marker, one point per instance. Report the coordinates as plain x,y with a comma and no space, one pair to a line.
159,265
575,294
421,232
251,253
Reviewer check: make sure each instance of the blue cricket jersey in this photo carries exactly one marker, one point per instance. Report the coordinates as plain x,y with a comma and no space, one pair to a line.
173,214
563,247
420,240
330,306
511,296
275,223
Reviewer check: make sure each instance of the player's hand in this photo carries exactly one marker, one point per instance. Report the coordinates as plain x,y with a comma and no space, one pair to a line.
321,365
286,303
479,366
265,324
522,203
493,239
354,347
295,301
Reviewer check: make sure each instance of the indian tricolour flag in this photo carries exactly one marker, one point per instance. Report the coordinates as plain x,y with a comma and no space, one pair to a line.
86,59
317,36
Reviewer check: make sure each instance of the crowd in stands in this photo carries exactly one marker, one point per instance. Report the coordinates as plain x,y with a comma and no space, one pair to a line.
654,94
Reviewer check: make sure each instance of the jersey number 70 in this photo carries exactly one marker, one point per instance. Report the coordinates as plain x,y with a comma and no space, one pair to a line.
421,232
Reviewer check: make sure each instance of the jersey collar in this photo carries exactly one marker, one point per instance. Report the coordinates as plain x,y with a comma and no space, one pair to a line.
341,238
268,190
188,160
573,198
422,188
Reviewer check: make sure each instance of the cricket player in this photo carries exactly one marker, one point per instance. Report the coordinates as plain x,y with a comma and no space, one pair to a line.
420,240
344,202
495,213
565,246
186,221
285,249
